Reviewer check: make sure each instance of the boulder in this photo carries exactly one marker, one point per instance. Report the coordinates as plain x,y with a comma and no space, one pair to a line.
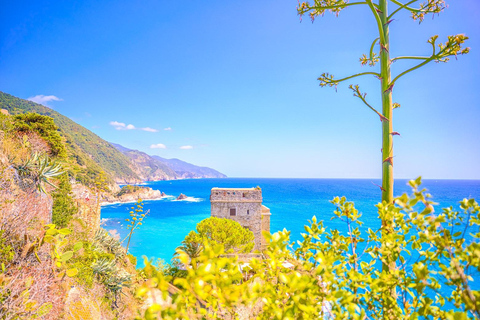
182,197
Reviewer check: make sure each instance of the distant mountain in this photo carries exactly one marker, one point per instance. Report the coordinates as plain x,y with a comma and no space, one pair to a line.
89,154
146,167
156,168
189,171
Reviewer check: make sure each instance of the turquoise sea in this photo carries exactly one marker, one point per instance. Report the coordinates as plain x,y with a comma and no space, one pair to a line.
292,203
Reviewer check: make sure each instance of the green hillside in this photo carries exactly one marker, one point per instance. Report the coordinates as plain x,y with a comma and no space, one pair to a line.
89,154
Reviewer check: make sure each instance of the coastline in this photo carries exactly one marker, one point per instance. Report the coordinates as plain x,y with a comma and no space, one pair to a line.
165,197
117,201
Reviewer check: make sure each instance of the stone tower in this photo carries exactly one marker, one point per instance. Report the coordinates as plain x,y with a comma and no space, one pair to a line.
243,205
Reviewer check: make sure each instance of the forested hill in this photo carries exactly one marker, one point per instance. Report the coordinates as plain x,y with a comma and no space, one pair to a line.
89,154
84,147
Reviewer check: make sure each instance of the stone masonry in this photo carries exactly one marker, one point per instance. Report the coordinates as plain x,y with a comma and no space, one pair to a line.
243,205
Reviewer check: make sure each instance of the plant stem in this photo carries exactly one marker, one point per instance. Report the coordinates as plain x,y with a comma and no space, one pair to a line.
387,106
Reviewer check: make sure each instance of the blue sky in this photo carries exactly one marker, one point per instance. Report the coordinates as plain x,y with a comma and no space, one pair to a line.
234,83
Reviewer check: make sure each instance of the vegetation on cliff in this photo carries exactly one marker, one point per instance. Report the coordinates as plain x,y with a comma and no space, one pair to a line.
66,270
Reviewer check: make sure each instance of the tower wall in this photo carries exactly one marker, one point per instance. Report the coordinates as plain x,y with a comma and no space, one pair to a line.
265,225
247,204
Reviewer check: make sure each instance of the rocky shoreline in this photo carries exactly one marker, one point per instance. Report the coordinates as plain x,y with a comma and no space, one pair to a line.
143,193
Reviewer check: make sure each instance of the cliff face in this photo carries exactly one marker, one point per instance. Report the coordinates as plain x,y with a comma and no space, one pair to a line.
149,169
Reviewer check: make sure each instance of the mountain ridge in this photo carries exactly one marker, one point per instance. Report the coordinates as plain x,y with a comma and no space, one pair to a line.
181,169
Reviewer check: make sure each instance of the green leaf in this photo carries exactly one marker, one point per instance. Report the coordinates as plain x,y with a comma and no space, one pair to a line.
44,310
77,246
48,238
65,231
72,272
66,256
51,232
460,316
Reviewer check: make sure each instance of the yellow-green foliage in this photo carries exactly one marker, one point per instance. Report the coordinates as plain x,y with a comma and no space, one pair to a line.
6,252
64,207
432,259
132,259
213,231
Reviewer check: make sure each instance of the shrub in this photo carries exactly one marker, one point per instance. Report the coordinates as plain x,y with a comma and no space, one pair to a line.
64,207
6,252
427,264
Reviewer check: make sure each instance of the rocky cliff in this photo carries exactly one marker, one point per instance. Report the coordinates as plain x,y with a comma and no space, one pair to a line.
133,193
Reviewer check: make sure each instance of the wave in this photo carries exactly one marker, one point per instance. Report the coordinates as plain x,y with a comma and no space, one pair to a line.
190,199
104,204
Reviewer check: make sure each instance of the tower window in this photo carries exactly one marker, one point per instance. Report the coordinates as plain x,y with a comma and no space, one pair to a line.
233,212
248,211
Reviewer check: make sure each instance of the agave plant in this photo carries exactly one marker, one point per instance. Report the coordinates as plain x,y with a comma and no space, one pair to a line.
36,171
104,268
107,243
112,277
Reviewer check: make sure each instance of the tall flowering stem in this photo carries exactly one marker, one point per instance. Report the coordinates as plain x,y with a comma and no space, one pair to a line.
135,221
379,10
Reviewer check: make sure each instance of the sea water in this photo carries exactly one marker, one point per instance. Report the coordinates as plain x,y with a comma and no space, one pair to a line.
292,202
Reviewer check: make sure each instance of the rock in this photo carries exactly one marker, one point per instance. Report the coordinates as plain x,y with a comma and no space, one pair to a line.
163,194
182,197
4,111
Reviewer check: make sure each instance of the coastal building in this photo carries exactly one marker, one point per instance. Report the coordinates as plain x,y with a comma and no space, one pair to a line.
243,205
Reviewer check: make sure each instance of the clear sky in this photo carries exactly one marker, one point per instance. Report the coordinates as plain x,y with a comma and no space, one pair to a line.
232,84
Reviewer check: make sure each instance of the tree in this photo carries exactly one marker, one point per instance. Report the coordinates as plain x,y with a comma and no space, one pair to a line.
379,10
45,127
218,231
